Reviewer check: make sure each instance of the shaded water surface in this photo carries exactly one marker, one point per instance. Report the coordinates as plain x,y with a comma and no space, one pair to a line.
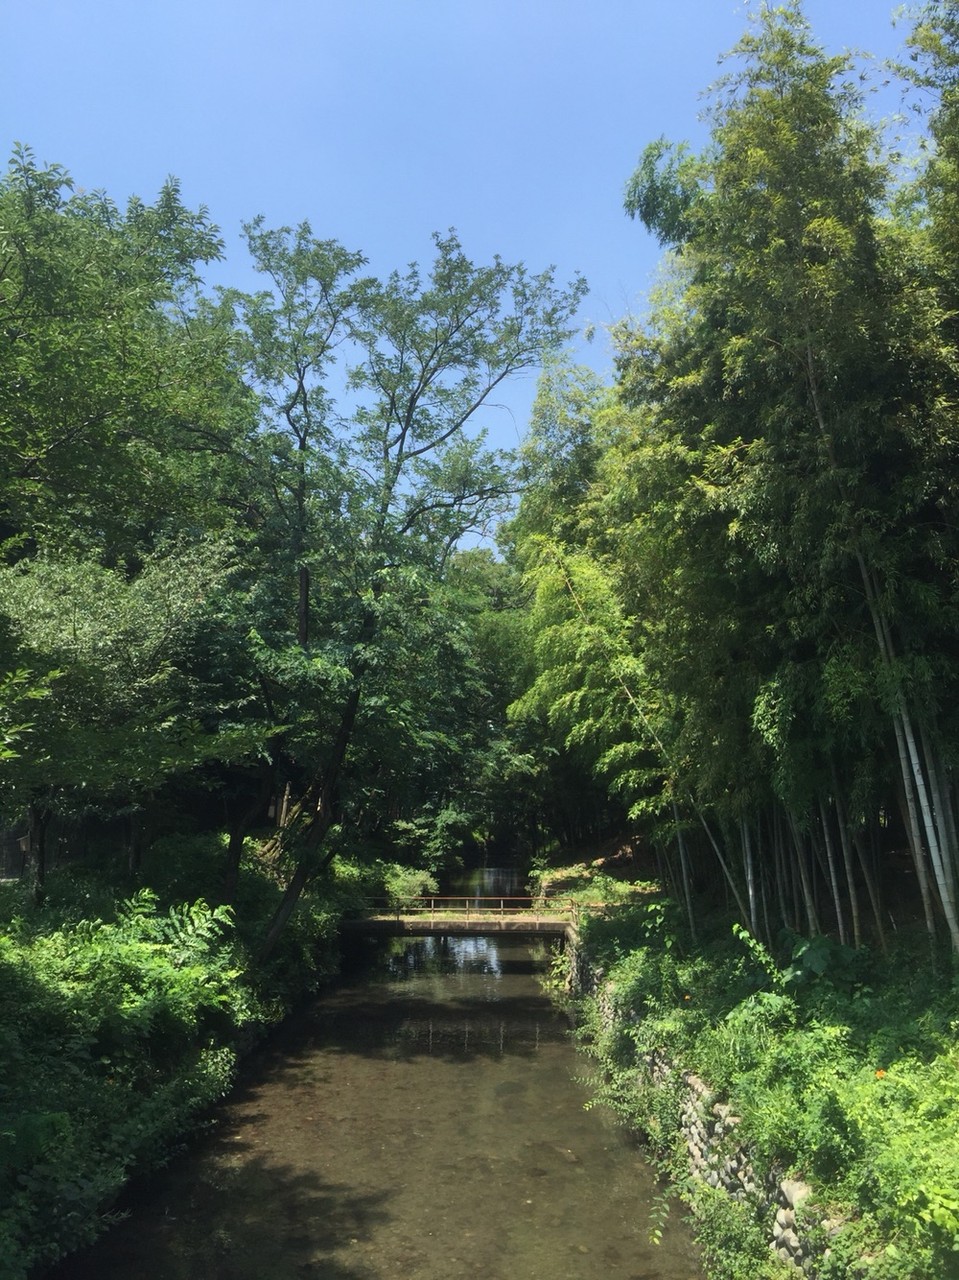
422,1121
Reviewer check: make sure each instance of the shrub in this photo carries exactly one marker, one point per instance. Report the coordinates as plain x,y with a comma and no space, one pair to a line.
843,1066
733,1237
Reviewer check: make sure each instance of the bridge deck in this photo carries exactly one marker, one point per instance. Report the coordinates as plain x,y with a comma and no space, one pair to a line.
426,926
424,917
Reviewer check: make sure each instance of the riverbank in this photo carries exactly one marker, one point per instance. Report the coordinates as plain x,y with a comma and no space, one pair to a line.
805,1102
123,1014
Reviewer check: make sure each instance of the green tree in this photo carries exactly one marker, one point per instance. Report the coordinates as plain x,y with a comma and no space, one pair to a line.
120,714
801,370
764,535
116,391
286,338
560,451
390,478
126,438
935,68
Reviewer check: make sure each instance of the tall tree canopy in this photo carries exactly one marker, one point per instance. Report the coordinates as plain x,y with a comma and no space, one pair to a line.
373,491
773,505
247,506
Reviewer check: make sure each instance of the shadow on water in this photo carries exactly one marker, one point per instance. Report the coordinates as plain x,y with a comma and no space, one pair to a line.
460,998
243,1216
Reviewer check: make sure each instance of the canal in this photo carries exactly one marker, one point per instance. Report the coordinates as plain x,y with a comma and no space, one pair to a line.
423,1120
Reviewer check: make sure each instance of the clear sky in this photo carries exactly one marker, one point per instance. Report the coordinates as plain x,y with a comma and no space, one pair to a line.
515,121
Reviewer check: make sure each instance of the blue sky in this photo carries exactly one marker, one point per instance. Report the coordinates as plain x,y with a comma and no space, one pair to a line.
515,121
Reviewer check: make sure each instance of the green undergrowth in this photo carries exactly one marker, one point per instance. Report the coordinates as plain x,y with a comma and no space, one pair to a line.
122,1019
843,1066
587,883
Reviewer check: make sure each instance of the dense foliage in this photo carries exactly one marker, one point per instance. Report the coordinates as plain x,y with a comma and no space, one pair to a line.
121,1024
232,600
230,528
239,602
840,1063
743,553
743,558
122,1021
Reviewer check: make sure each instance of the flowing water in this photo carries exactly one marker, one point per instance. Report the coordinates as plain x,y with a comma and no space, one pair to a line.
421,1121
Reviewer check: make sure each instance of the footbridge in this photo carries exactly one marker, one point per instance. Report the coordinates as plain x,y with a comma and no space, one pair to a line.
424,917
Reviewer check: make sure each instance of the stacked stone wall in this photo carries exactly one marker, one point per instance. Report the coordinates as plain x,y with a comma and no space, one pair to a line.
709,1128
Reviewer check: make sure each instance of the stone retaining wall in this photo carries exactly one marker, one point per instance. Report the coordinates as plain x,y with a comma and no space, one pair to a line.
709,1128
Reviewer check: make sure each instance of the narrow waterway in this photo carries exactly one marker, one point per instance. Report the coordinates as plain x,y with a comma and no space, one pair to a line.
422,1121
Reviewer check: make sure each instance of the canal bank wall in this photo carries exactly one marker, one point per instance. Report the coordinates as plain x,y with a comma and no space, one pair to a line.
798,1233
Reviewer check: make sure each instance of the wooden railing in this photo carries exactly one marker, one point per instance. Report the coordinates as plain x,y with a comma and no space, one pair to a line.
442,907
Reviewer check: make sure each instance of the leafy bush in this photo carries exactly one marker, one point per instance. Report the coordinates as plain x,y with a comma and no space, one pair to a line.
108,1032
733,1238
120,1023
843,1066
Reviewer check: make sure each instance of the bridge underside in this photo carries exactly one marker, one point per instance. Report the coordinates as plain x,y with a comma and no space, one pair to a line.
437,926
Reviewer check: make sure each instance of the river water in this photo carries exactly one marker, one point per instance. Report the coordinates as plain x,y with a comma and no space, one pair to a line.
422,1121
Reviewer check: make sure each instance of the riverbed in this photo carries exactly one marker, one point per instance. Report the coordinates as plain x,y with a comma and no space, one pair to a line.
423,1120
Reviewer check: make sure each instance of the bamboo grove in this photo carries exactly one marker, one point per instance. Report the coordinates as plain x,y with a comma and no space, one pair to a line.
744,553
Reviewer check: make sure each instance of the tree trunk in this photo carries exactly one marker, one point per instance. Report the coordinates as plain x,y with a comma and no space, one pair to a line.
239,828
907,801
302,875
684,870
910,763
750,877
848,865
942,872
39,820
303,607
764,899
871,888
779,858
833,873
809,903
945,826
307,825
724,865
914,783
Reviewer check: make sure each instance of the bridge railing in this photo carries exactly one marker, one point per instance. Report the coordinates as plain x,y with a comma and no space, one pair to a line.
442,906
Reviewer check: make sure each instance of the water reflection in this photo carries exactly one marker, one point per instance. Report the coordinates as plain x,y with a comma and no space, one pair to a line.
488,882
468,955
463,964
